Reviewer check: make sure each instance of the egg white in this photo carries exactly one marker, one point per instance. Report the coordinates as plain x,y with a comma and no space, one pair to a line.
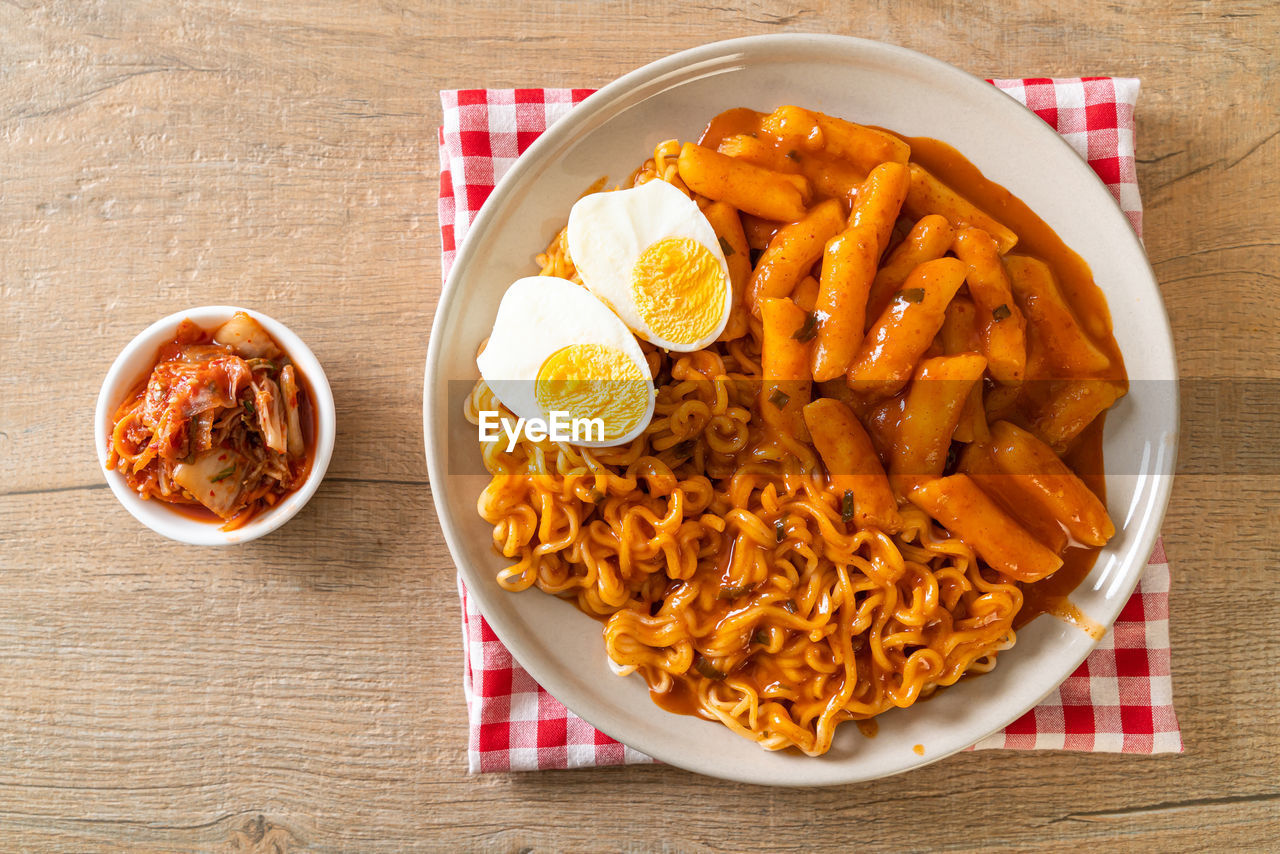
608,232
538,316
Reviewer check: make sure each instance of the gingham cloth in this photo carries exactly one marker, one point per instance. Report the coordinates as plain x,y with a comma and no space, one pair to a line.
1120,699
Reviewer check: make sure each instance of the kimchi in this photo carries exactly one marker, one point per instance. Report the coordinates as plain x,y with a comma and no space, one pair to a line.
221,424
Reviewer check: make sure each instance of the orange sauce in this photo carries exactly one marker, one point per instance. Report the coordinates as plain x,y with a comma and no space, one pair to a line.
680,700
196,512
1050,595
1037,239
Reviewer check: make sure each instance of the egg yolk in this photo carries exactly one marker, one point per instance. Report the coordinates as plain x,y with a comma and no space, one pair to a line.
594,381
679,289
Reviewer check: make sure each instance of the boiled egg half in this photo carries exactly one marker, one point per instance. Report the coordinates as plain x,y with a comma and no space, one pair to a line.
651,255
555,348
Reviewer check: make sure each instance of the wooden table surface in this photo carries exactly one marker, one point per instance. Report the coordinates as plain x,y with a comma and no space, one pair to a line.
303,692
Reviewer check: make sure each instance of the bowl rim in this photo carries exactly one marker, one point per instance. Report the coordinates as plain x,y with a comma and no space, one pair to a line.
135,359
669,71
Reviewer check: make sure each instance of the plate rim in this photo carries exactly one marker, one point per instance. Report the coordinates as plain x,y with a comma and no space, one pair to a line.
674,65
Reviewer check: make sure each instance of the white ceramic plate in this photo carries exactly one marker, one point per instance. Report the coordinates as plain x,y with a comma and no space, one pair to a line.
872,83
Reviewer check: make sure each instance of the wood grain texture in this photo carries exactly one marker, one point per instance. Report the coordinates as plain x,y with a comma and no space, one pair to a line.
302,693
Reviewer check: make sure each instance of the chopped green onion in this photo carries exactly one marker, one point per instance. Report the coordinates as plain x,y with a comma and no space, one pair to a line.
596,496
911,295
952,457
810,328
734,592
790,606
223,475
1000,312
707,669
846,506
248,405
780,528
760,636
725,247
779,398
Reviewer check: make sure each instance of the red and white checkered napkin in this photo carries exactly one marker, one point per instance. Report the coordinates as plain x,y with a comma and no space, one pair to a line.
1119,699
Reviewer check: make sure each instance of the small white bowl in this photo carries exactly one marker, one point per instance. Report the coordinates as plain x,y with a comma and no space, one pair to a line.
136,361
